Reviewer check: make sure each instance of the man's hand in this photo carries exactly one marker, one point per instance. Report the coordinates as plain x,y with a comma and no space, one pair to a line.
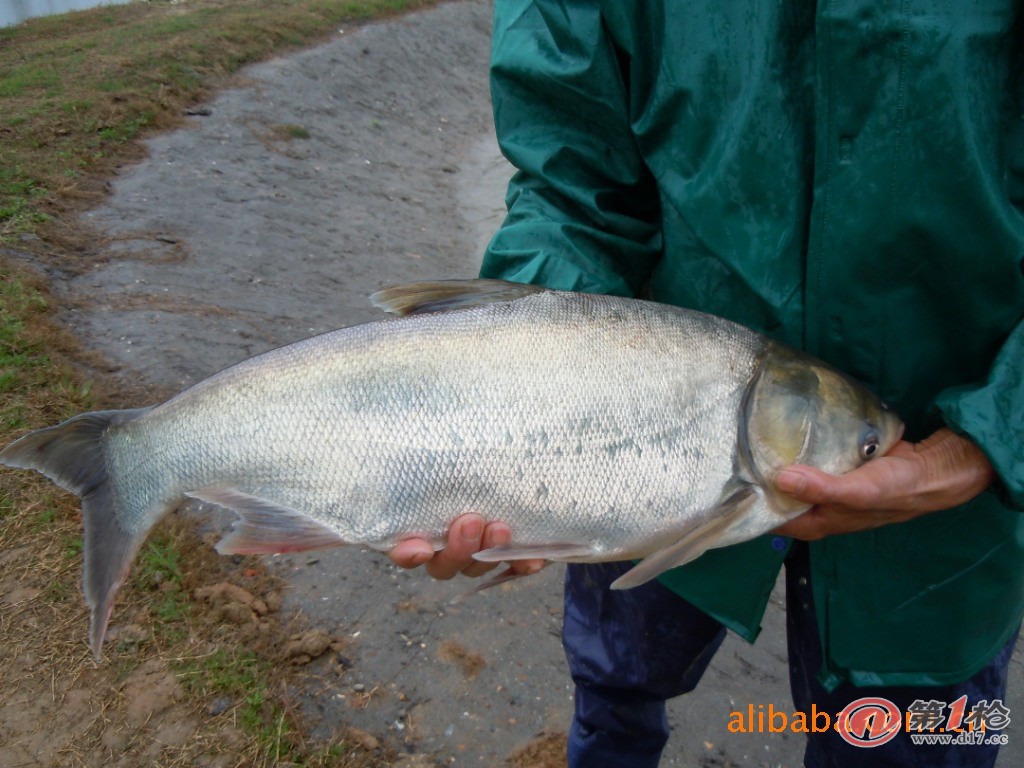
468,534
913,479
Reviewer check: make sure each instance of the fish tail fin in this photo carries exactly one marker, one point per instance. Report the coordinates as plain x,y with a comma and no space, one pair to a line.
74,456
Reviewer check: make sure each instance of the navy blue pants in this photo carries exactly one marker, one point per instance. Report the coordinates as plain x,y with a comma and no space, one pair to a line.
630,650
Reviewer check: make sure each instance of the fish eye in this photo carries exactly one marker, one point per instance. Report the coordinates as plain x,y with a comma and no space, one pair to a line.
869,445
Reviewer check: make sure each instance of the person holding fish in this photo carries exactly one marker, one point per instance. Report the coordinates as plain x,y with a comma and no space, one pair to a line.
842,179
847,178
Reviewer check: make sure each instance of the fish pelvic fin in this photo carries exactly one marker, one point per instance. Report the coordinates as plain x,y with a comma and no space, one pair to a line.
441,295
265,527
562,552
509,574
73,455
694,543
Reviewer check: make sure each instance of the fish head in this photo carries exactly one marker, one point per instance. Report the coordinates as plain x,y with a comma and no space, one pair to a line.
800,411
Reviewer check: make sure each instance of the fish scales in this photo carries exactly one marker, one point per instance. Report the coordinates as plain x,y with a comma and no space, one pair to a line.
388,429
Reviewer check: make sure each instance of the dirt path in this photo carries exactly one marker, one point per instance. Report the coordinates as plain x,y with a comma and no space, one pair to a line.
367,161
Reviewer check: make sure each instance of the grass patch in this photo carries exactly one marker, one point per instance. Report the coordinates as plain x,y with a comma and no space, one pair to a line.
237,674
236,679
77,90
158,569
34,386
290,131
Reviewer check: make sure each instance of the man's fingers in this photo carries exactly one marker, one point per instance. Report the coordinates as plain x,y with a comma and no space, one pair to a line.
940,472
467,536
819,522
807,527
464,538
494,535
411,553
527,567
805,483
859,489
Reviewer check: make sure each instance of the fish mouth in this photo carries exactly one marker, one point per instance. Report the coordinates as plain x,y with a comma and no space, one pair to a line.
890,417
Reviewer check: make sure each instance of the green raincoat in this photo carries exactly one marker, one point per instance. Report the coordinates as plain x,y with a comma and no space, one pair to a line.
848,178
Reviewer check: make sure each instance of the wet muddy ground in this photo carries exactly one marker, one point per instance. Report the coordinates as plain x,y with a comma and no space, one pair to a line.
285,202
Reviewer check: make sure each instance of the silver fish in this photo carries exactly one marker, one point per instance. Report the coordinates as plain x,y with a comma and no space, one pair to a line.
599,428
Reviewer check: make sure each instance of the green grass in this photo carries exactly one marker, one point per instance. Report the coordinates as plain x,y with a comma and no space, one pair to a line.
158,570
291,131
160,562
241,676
26,368
28,79
71,545
45,518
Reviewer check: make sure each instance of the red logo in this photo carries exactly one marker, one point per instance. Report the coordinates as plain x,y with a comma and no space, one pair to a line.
869,722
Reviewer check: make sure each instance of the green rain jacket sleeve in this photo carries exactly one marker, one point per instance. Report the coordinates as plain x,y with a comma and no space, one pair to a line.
991,413
582,208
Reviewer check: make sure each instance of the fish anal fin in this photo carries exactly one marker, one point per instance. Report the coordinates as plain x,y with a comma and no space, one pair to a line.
440,295
693,543
562,552
265,527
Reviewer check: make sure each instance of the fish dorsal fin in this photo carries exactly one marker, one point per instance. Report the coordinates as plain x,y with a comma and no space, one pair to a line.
265,527
440,295
695,542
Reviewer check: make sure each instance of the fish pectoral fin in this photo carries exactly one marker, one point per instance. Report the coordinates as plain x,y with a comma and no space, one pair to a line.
559,552
693,543
509,574
440,295
266,527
